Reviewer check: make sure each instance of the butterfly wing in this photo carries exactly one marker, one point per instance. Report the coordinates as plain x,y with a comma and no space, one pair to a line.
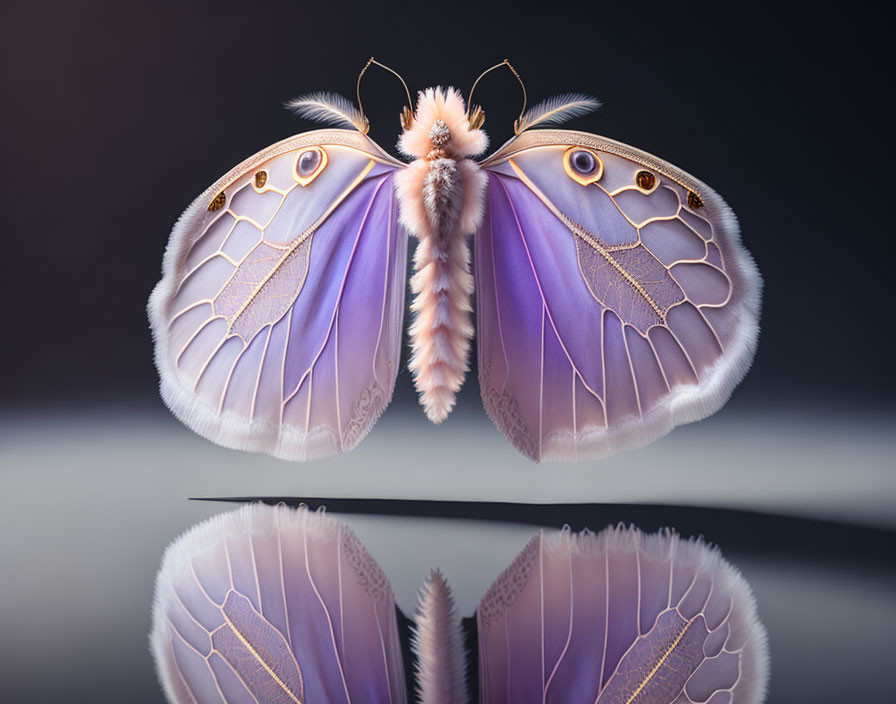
277,322
620,618
271,604
612,305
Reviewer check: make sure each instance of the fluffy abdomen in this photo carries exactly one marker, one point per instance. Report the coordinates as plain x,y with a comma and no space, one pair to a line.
441,203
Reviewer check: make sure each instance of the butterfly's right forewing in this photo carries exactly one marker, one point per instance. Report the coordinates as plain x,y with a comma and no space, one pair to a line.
620,618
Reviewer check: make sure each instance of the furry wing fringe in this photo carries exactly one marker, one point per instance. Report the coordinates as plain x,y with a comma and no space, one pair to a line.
437,642
329,108
558,109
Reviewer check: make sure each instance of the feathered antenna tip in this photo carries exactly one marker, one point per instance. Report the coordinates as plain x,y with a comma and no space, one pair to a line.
330,108
558,109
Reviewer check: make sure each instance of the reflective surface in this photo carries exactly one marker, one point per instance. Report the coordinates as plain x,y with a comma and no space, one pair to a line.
98,496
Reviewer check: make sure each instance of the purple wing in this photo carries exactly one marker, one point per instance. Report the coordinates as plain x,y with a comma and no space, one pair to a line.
620,618
608,311
278,320
275,605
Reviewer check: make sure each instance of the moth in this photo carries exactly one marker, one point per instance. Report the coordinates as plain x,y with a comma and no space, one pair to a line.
613,297
285,606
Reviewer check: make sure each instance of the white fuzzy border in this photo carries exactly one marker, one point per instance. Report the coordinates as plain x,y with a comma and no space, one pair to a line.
685,404
230,430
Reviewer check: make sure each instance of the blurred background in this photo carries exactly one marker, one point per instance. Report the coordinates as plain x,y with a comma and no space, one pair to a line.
115,115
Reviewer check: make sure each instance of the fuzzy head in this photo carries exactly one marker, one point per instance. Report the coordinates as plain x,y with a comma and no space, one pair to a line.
440,123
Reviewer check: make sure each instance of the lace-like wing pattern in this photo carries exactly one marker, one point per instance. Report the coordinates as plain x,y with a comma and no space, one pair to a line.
278,319
620,617
270,605
614,299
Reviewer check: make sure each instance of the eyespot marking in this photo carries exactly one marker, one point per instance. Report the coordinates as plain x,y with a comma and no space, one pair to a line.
646,181
217,202
261,178
583,165
309,164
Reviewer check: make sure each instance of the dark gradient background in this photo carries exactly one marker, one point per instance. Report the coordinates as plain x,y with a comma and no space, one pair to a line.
116,114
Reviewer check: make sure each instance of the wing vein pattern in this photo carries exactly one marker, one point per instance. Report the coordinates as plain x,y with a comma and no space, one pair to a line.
221,636
286,279
598,606
607,313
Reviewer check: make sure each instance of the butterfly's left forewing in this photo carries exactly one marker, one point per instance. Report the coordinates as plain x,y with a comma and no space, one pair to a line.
614,299
278,320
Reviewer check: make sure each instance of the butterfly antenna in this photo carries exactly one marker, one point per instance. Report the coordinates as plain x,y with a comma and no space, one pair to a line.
407,114
478,117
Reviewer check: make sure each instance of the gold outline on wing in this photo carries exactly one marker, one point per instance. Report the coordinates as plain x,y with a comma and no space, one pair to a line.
296,243
585,235
566,138
681,180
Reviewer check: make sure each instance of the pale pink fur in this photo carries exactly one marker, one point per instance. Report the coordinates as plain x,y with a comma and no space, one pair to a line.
409,189
442,284
447,105
474,182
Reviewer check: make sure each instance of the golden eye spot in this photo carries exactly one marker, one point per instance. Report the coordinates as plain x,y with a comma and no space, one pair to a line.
645,181
583,165
694,201
217,202
309,164
261,178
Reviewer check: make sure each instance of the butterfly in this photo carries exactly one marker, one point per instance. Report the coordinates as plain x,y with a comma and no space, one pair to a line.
613,297
274,605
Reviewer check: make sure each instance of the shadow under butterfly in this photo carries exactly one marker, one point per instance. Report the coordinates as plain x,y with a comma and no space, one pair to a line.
614,299
274,604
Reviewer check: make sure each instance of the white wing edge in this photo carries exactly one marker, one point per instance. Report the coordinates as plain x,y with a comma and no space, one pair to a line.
198,415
